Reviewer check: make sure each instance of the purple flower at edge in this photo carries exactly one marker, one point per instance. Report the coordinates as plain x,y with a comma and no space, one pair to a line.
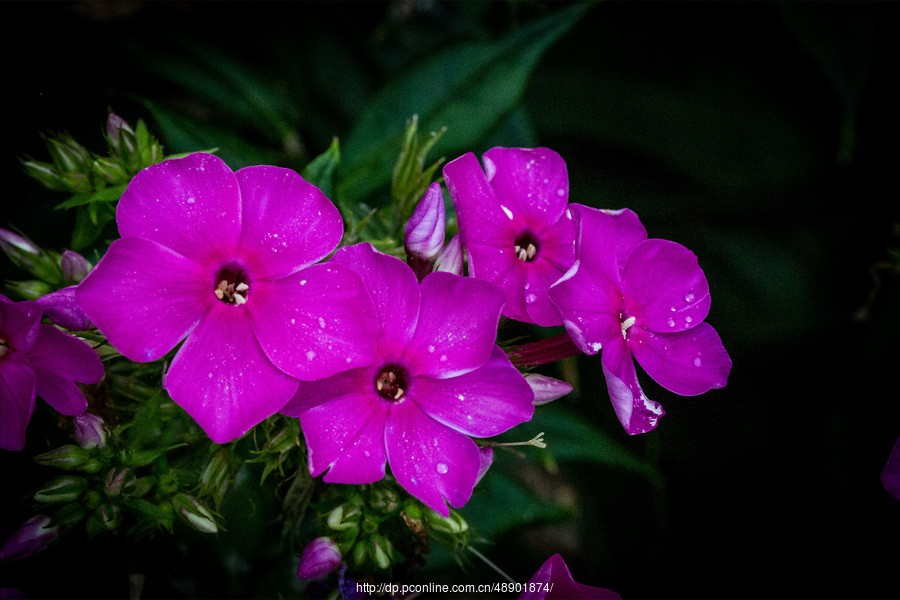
319,558
639,298
890,475
32,537
38,360
226,260
514,224
437,379
554,581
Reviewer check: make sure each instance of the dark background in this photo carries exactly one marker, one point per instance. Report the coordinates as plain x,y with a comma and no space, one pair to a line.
760,135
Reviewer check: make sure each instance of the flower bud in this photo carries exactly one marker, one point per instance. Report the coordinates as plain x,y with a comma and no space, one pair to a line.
90,431
111,170
119,133
451,257
320,557
32,537
74,266
195,514
45,174
453,524
107,515
29,290
344,517
117,481
217,476
20,250
546,389
68,155
66,488
386,500
68,457
61,308
425,228
380,549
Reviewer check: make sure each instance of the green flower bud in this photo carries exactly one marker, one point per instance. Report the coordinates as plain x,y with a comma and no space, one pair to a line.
69,457
344,517
380,549
110,170
386,500
29,290
45,174
118,481
452,524
107,516
66,488
195,514
68,155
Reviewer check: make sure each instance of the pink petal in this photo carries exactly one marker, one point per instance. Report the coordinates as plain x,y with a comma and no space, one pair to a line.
541,274
687,363
313,393
531,181
596,242
457,325
431,461
394,291
424,232
191,205
145,298
66,356
546,389
18,323
59,392
287,222
346,436
554,581
61,308
481,403
588,303
479,214
629,232
221,377
636,412
17,395
315,322
499,265
666,288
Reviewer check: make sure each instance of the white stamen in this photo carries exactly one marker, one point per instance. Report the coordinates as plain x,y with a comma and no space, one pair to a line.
242,287
531,251
238,299
626,324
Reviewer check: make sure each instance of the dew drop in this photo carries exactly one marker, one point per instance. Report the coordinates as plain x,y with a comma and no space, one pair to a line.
191,200
431,348
210,375
530,299
689,297
302,282
670,322
442,468
321,322
697,362
443,358
310,355
560,192
688,319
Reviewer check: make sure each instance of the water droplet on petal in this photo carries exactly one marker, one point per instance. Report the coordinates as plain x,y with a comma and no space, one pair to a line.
321,322
560,192
431,348
697,362
442,468
443,358
310,355
689,297
530,299
670,322
688,319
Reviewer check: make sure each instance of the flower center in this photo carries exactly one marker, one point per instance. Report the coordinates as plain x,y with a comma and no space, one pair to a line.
392,383
527,246
626,323
4,347
231,285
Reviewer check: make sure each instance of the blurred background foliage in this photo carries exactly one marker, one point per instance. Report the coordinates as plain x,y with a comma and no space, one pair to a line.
760,135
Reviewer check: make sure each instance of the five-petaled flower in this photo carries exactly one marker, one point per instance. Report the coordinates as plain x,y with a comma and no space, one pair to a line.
38,360
437,379
514,224
226,260
644,298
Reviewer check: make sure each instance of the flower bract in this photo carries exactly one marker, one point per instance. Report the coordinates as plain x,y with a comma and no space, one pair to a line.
226,262
514,224
642,299
38,360
437,379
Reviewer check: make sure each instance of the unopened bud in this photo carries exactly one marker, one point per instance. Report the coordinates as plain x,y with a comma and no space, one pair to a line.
216,477
284,440
74,266
425,229
546,389
45,174
29,290
107,515
90,430
34,536
68,155
451,257
320,557
68,457
453,523
195,514
118,481
344,517
66,488
119,134
380,549
61,308
111,170
386,500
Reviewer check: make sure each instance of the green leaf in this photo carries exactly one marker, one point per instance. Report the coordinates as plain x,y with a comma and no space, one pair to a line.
469,87
320,170
110,194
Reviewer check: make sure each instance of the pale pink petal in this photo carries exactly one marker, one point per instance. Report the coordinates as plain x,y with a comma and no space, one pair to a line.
288,223
221,377
59,392
482,403
315,322
394,291
346,437
636,412
532,181
457,325
665,287
191,205
687,363
546,389
65,355
431,461
145,298
17,394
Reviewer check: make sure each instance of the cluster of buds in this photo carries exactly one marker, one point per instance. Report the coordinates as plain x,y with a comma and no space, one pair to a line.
73,168
280,450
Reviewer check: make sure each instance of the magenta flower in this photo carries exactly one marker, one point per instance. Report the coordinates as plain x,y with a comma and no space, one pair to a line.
38,360
226,260
319,558
644,298
554,581
32,537
437,378
514,225
62,308
890,475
